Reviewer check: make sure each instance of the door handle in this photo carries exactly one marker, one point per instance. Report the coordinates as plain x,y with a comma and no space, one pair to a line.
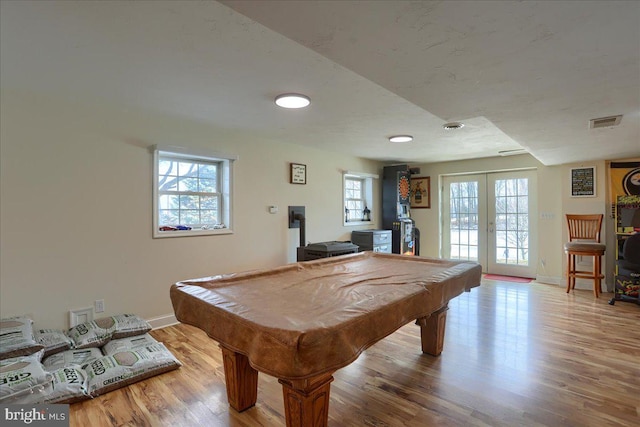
490,227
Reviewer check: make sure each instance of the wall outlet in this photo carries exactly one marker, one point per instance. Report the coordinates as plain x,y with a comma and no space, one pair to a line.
79,316
99,305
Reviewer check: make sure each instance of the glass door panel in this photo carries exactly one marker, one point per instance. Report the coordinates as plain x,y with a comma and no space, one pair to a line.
512,248
464,213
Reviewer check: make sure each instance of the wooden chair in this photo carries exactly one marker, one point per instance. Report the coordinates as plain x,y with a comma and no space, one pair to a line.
584,240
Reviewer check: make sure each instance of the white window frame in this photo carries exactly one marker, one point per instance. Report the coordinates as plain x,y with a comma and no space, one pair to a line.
367,190
225,182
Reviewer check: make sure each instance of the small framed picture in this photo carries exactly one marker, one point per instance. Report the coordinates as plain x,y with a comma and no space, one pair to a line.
421,192
583,182
298,173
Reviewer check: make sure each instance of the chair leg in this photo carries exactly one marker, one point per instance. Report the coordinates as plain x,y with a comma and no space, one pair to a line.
596,274
574,267
597,288
573,271
568,272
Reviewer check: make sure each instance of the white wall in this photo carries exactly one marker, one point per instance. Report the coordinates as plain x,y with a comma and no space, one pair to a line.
75,219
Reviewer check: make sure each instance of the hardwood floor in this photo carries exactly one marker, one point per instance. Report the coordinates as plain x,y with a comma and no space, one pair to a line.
515,355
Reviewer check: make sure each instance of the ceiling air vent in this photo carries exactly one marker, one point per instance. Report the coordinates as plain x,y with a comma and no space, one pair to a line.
452,126
605,122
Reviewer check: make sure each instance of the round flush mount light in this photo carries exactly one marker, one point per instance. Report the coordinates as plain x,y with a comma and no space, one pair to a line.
401,138
453,125
292,100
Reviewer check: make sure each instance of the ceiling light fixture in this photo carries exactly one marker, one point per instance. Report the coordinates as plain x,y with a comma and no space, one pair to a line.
401,138
292,100
453,125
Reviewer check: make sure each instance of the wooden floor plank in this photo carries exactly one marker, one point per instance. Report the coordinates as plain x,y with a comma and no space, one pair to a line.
515,354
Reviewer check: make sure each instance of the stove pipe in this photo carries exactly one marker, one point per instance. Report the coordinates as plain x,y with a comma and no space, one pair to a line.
303,228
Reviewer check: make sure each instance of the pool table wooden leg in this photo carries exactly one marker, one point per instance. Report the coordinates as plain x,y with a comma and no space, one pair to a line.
306,402
241,380
432,331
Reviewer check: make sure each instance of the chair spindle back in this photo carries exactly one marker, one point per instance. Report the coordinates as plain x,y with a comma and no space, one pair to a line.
584,227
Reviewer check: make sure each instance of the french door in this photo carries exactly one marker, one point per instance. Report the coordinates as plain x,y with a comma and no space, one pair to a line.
491,218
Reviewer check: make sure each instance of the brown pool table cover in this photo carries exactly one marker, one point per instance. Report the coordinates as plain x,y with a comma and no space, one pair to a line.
308,318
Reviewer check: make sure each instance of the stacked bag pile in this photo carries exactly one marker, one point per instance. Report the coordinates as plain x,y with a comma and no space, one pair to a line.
53,366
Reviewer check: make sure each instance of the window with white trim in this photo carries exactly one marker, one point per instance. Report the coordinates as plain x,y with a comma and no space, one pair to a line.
358,198
192,193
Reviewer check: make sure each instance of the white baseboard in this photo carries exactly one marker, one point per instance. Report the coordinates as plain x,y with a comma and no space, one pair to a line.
552,280
163,321
583,284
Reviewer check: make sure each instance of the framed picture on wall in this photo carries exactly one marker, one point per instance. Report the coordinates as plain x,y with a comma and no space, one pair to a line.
420,192
297,173
583,182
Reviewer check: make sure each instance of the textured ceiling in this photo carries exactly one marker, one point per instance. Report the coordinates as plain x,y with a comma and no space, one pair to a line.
518,74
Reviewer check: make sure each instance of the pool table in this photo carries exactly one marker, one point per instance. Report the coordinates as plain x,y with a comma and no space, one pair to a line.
301,322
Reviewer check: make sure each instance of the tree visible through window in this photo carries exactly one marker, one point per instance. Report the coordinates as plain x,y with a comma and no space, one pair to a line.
192,193
463,220
188,193
512,221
